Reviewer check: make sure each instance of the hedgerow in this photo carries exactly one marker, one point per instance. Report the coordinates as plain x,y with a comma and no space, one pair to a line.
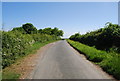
17,42
108,61
13,46
107,38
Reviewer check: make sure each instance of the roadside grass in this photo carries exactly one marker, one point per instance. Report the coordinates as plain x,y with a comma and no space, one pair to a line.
9,74
110,62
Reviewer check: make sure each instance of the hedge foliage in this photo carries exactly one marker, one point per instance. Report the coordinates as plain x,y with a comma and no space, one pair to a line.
107,38
110,62
15,43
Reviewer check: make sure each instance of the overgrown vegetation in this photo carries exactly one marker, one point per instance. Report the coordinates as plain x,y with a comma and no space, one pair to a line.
10,73
105,47
107,38
17,43
108,61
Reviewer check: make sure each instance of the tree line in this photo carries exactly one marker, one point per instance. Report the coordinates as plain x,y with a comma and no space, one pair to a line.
28,28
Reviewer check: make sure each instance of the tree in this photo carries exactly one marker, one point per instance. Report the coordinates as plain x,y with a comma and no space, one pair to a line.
47,31
57,32
29,28
51,31
40,31
60,33
75,37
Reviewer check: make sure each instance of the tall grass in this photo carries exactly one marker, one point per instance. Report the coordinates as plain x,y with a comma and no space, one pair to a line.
110,62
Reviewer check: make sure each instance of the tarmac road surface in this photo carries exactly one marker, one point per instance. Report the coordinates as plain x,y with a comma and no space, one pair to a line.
61,61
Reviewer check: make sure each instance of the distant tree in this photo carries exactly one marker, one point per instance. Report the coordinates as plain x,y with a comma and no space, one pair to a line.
47,31
57,32
60,33
54,31
77,34
51,31
29,28
75,37
40,31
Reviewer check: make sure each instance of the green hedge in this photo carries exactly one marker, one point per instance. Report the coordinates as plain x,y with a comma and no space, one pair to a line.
107,38
16,45
110,62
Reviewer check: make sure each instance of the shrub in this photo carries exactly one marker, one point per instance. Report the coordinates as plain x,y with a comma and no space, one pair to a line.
103,38
108,61
15,45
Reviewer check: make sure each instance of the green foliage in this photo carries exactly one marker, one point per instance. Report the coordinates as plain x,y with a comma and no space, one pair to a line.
29,28
104,38
51,31
44,37
47,31
40,31
60,33
75,37
19,29
10,75
108,61
13,46
19,41
108,39
16,44
57,32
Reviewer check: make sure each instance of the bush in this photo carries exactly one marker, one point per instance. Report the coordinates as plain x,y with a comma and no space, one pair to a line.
15,45
103,38
108,61
19,41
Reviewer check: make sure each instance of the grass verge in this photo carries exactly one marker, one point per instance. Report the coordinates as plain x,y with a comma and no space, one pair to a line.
110,62
9,74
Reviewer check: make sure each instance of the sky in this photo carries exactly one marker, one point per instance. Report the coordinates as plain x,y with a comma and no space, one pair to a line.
0,15
71,17
119,13
59,0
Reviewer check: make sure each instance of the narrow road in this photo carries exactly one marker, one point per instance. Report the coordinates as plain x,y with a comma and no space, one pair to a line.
61,61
